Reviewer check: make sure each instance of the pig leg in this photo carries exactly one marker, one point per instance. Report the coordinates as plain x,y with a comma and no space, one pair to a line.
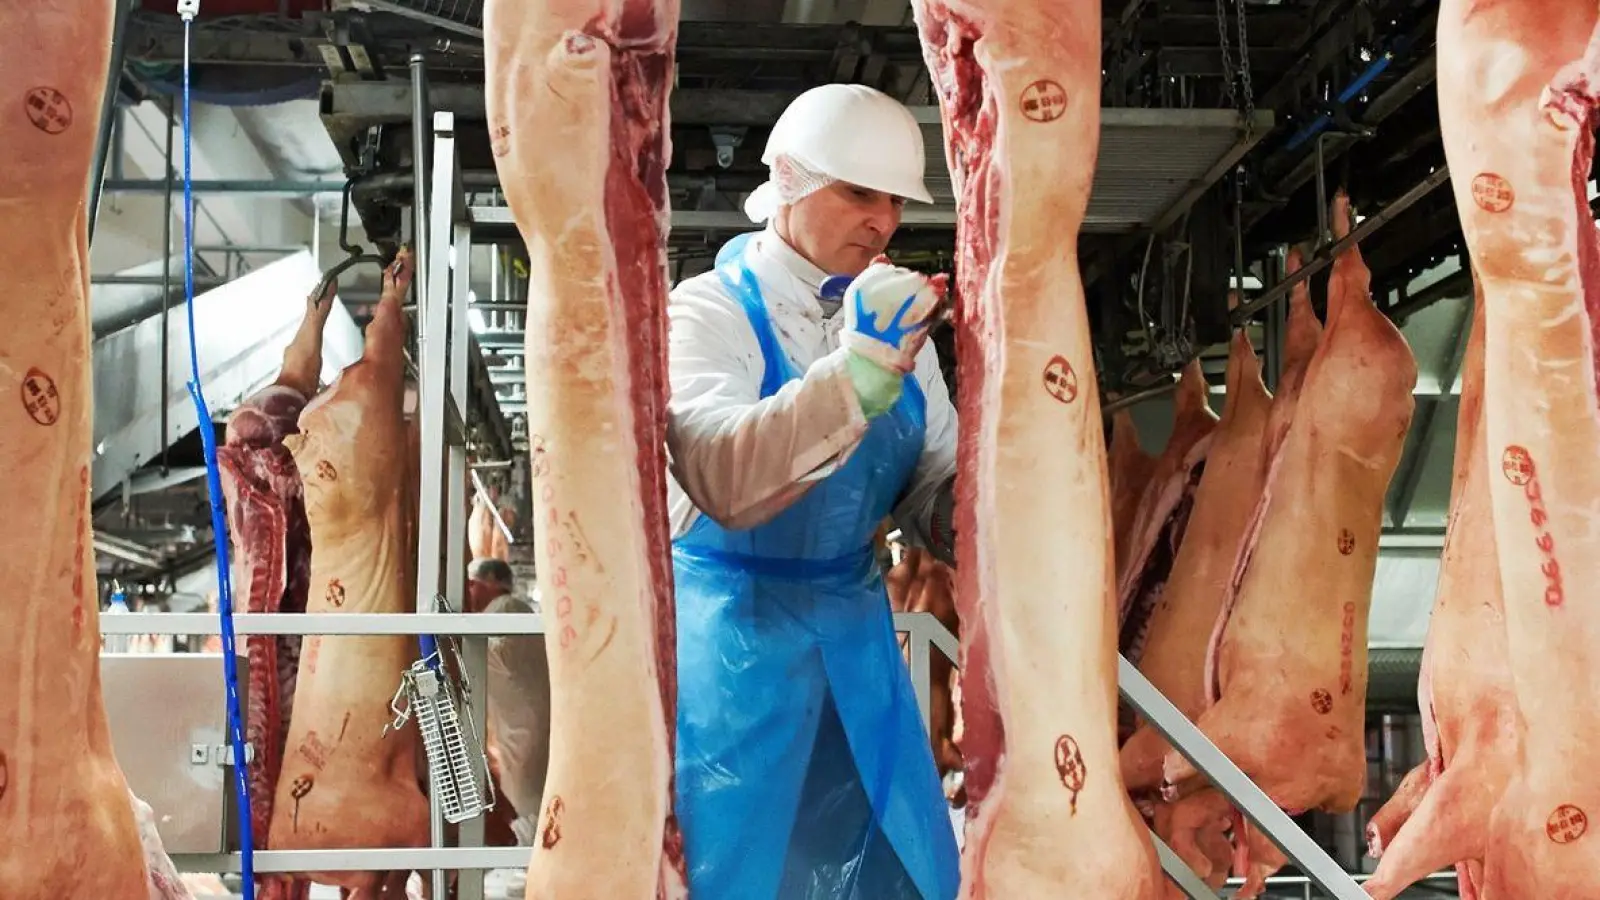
1388,821
302,359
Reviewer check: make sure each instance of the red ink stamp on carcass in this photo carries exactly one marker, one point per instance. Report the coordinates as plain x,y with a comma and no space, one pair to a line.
1517,464
326,471
335,592
315,751
1070,767
48,109
1492,193
500,141
1060,381
1519,468
551,835
40,398
1043,101
1566,824
298,790
559,580
1321,701
1347,542
1346,646
548,494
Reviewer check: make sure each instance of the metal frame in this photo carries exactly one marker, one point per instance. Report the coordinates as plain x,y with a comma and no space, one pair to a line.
926,633
441,569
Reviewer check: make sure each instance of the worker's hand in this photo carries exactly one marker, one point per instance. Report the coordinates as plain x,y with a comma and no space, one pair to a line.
888,310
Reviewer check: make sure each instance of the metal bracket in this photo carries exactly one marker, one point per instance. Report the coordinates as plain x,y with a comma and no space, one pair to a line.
220,755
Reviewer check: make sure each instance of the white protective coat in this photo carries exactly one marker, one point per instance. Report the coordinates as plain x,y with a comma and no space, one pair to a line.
742,459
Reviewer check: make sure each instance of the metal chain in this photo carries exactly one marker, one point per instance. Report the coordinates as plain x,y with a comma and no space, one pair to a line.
1227,60
1244,69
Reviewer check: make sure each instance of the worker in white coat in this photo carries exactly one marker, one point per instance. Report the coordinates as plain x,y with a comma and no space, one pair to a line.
794,428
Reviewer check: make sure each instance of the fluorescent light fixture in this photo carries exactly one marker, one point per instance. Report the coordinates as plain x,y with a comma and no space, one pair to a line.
475,321
1248,283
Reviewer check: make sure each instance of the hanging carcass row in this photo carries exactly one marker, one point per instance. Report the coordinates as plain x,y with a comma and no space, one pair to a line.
1019,88
1286,670
591,77
1517,94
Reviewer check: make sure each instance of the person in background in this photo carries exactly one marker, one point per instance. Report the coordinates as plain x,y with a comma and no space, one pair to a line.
487,578
519,698
803,766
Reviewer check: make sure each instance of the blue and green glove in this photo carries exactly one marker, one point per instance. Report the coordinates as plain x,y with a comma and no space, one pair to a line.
888,310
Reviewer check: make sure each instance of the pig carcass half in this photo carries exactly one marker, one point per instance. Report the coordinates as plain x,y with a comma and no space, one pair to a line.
1162,516
344,782
1174,653
65,815
592,78
1019,85
1440,814
1518,84
1286,671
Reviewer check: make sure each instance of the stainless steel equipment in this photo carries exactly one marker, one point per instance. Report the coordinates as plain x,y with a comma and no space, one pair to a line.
169,729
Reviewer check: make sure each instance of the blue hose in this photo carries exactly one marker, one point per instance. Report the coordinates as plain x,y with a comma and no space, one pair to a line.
219,519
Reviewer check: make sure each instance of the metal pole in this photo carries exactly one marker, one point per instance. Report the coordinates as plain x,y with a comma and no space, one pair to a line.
166,293
432,384
475,650
420,127
1246,796
1138,397
108,108
1324,259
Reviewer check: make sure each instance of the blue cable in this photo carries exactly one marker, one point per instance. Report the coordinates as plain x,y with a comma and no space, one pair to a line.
219,520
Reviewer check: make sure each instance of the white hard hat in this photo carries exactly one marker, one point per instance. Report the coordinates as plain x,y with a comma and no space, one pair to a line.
850,133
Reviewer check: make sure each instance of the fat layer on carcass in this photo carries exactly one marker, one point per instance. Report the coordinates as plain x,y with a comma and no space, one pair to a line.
1517,92
1174,654
343,781
1287,669
1440,814
1162,516
1019,89
577,103
68,829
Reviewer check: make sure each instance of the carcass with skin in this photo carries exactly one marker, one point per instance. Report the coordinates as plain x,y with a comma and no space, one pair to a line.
1174,653
1518,82
1304,334
1019,86
1162,516
592,77
1440,814
65,813
1129,468
1286,670
344,782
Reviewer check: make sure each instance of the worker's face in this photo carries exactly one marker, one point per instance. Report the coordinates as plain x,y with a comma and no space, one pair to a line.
842,227
481,593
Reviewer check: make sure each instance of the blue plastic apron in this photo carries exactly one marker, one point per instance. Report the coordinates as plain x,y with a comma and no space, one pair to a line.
803,766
